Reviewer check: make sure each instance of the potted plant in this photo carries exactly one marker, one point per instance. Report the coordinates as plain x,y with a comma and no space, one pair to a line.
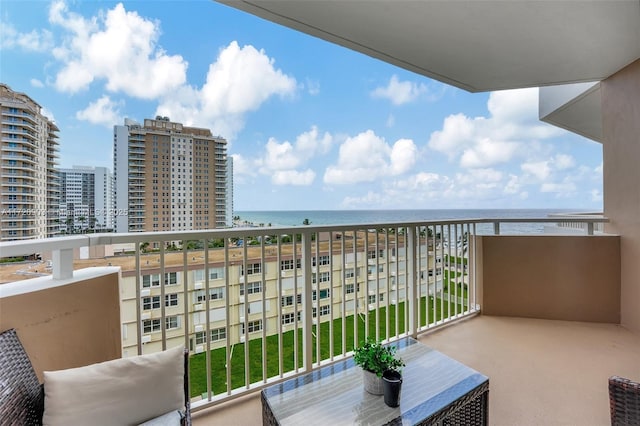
376,359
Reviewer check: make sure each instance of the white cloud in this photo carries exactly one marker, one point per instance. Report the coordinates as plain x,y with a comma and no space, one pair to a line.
36,41
599,169
313,87
487,153
391,120
36,83
103,111
540,169
399,92
239,81
293,177
47,113
564,161
366,157
403,156
475,176
596,195
513,185
119,47
510,130
562,189
282,161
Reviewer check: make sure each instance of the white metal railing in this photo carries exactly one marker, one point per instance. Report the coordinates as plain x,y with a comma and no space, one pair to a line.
257,305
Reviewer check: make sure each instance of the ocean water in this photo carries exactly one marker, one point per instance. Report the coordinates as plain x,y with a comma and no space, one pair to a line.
348,217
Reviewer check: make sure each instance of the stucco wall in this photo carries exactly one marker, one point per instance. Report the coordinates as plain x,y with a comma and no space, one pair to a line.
69,325
572,278
621,154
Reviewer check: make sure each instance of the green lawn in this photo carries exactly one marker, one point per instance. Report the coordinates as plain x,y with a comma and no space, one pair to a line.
198,377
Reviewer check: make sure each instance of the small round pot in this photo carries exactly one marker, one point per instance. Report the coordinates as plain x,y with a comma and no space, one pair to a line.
392,385
372,383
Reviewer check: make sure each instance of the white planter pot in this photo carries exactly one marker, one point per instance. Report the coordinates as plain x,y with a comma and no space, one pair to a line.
372,383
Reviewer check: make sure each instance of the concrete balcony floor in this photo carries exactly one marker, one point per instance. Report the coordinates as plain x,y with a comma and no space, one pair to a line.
541,372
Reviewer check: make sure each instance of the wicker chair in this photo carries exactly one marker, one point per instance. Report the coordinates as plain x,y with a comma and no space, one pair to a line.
22,395
624,401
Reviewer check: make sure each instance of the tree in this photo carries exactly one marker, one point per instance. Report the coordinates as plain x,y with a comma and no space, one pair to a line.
82,220
69,223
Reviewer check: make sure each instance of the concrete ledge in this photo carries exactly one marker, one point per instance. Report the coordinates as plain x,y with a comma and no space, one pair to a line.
575,278
65,323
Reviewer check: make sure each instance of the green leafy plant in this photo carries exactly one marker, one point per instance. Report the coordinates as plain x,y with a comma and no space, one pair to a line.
377,358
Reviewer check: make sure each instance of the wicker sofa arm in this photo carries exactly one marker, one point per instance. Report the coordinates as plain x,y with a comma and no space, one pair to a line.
624,401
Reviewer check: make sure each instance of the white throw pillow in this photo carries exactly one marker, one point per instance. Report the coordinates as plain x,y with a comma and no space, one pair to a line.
125,391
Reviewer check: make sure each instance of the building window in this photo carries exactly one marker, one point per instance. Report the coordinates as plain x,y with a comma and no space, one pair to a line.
288,318
216,334
201,337
150,303
216,293
253,326
170,278
349,288
171,299
321,260
349,273
172,322
325,310
288,264
322,277
252,288
324,294
153,280
216,273
151,326
288,300
371,270
252,268
372,299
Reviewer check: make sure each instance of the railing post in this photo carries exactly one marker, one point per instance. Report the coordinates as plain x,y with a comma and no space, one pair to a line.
307,326
62,263
496,228
590,228
412,282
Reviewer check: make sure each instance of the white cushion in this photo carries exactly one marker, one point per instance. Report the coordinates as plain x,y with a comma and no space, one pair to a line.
125,391
172,418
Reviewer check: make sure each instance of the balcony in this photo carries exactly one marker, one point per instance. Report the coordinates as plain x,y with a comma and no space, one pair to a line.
560,291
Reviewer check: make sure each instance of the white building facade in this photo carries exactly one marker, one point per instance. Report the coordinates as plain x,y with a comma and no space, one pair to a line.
86,199
29,189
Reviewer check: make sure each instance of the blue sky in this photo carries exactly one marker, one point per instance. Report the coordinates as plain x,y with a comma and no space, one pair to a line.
311,125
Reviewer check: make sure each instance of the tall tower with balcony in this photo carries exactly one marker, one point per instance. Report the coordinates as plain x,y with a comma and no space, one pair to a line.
86,199
169,177
30,187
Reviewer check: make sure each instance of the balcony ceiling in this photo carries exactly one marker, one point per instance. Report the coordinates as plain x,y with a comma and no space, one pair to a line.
474,45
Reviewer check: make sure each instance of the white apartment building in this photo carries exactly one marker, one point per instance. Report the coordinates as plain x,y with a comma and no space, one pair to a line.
370,280
86,199
169,177
29,189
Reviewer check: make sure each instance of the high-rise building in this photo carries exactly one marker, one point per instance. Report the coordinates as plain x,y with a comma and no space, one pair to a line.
169,177
30,188
229,202
86,199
